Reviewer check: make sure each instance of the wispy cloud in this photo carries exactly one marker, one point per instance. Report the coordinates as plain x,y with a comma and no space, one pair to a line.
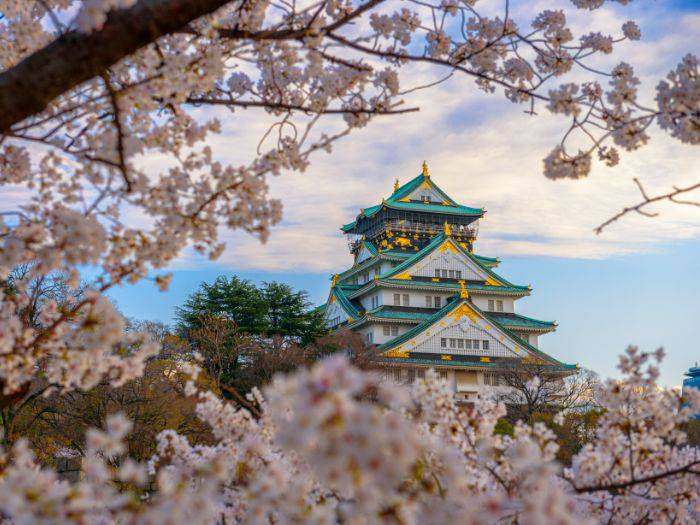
486,152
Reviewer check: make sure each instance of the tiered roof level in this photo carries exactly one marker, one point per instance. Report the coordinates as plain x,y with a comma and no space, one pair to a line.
418,291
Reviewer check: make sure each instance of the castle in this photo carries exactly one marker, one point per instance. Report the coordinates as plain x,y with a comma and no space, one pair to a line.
418,292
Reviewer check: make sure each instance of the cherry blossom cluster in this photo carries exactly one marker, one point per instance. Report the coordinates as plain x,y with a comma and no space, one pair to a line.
335,445
86,159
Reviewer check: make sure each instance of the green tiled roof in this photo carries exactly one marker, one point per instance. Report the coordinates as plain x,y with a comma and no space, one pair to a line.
394,202
487,261
339,294
515,321
442,312
432,245
449,307
387,312
413,284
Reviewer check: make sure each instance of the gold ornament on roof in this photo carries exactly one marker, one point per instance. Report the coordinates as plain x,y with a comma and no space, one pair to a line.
396,185
334,281
463,293
425,169
448,230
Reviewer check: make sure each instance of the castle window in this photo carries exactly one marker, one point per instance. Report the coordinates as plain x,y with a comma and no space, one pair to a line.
443,342
458,273
442,375
370,337
421,374
428,301
397,299
475,344
499,306
437,302
405,299
460,343
485,344
491,309
444,273
437,272
468,344
397,375
394,330
451,273
411,375
386,330
453,342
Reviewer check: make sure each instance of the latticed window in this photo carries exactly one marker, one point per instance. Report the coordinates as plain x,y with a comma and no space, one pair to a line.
394,330
411,375
442,375
405,299
485,344
491,309
443,342
499,306
386,330
438,302
397,299
428,301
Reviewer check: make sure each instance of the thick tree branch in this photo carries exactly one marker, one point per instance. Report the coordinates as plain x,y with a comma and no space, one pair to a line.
73,58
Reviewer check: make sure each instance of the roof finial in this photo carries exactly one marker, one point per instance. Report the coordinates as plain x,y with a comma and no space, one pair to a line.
448,230
425,169
396,185
463,293
334,281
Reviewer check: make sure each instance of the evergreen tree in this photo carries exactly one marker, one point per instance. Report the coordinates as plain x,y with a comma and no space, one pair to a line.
270,310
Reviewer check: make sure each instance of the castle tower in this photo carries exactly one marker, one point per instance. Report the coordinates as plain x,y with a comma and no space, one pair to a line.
418,292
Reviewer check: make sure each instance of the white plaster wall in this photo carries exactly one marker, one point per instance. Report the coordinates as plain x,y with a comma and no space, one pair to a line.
415,298
448,261
379,336
464,330
366,300
482,301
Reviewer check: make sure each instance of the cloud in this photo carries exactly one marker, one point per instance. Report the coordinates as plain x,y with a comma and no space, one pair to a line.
486,152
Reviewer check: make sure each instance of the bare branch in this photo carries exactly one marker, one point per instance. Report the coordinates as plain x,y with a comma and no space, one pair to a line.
639,208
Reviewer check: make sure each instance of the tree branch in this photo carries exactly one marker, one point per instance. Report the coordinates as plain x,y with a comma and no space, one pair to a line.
615,487
73,58
639,208
294,107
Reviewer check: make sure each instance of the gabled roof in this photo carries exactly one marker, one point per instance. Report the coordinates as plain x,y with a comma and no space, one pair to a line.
398,200
339,293
520,322
433,245
449,308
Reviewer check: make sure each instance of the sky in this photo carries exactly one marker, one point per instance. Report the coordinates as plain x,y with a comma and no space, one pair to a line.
637,283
